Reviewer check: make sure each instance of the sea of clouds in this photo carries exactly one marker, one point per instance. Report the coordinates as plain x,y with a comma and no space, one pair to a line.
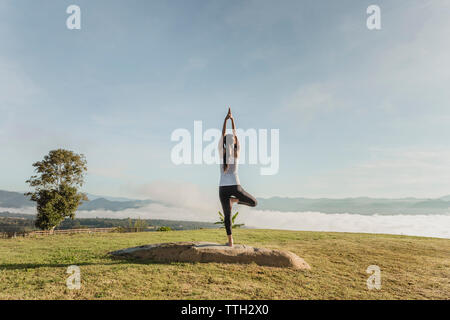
416,225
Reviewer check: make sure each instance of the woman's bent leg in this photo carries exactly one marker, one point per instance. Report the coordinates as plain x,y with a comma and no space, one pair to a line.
245,197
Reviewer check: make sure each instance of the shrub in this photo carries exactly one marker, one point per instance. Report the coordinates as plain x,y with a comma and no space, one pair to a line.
163,228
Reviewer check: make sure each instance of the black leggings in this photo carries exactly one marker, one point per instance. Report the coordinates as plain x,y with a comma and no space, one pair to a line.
236,191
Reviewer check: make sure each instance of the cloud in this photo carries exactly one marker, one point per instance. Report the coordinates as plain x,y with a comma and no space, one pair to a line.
419,61
16,87
312,99
18,92
25,210
114,172
418,225
388,172
407,71
188,201
154,211
177,194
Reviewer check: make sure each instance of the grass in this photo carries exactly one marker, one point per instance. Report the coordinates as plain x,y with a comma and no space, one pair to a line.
411,267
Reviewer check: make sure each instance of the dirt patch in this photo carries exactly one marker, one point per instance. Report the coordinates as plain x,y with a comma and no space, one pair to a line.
213,252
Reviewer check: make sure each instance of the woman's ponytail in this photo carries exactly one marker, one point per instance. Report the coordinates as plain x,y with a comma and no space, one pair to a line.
225,164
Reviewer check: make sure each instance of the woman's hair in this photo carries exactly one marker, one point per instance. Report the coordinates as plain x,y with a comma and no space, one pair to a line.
228,141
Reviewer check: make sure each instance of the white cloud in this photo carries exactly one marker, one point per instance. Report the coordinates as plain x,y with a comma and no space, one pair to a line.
187,201
408,69
154,211
114,171
17,94
16,87
419,60
418,225
401,172
25,210
177,194
312,99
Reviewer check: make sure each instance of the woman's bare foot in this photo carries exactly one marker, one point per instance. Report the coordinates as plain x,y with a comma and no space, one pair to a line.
230,241
233,201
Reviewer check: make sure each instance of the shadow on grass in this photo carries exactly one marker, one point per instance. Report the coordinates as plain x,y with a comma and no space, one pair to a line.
113,261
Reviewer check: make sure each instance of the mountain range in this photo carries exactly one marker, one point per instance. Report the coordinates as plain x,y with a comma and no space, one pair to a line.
360,205
16,200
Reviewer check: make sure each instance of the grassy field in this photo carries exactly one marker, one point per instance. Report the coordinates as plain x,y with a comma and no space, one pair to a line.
411,267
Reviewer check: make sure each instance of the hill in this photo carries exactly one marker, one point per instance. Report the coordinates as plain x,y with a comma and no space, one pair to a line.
9,199
13,222
113,205
411,267
361,205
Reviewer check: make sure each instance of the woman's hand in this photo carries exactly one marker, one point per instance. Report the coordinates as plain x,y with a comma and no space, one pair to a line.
229,115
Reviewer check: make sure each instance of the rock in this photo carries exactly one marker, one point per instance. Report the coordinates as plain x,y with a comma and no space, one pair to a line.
213,252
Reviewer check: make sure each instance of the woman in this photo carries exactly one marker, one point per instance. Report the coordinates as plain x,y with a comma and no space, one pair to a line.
230,190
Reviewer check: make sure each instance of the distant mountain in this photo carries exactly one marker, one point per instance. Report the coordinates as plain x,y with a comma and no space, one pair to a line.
362,205
24,222
104,204
94,197
10,199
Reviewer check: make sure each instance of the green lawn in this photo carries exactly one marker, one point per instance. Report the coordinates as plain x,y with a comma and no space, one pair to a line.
411,267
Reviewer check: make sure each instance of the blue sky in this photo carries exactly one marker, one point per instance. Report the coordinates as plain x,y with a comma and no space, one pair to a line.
360,113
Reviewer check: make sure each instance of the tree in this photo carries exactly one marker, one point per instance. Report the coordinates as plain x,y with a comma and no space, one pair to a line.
140,225
233,218
56,183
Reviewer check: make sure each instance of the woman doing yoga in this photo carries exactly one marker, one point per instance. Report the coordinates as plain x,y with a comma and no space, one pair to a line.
230,190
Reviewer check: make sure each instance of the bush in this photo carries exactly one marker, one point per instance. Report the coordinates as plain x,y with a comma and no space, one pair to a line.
164,229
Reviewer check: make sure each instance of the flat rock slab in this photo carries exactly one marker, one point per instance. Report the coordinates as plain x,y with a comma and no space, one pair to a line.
213,252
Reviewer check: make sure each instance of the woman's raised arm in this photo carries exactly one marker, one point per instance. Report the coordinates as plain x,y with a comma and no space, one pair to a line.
233,126
224,126
238,146
229,116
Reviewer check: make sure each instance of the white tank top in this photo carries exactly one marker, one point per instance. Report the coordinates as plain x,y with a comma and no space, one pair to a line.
229,178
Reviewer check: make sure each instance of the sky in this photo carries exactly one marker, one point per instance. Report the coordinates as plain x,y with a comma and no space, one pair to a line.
360,112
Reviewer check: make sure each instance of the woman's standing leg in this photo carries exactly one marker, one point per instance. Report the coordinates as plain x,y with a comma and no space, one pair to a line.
225,201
